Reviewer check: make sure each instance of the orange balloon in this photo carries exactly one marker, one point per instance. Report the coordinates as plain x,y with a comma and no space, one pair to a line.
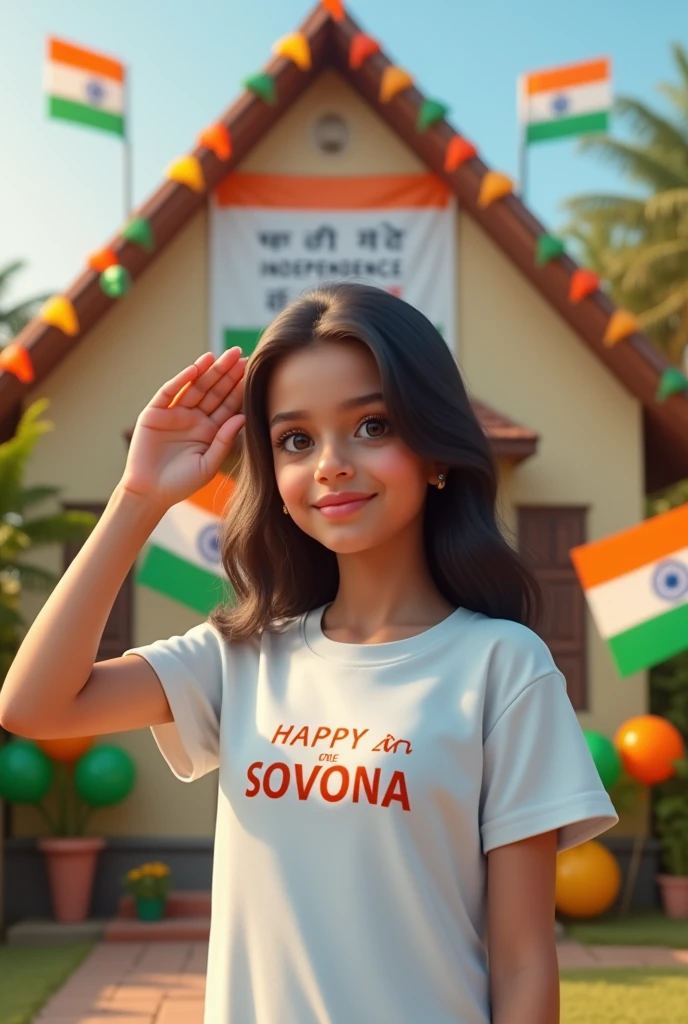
69,749
647,745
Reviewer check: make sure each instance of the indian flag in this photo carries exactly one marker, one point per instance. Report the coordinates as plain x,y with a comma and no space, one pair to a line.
636,586
85,87
182,559
574,99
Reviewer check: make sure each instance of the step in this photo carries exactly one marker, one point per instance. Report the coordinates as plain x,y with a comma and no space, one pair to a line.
170,929
38,931
180,903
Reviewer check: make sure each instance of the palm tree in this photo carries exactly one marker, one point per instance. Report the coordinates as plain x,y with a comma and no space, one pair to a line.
638,244
21,532
12,320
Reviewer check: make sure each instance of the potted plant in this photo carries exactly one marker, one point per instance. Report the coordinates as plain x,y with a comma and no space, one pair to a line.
23,529
671,825
149,884
86,776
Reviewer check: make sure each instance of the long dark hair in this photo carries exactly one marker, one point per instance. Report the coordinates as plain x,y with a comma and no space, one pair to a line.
276,570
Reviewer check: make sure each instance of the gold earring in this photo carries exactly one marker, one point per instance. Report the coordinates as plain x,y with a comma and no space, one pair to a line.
285,510
442,481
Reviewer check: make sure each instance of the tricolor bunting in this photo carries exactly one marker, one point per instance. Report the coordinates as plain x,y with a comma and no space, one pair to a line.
85,87
574,99
636,585
182,559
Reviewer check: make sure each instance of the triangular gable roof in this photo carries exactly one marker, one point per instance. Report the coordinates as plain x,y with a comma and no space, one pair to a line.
635,361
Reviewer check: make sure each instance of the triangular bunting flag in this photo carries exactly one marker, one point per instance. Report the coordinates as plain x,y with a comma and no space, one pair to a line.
362,47
102,259
140,232
458,151
115,281
15,359
262,85
294,47
672,382
548,247
494,186
217,139
621,325
335,8
394,80
583,283
59,312
187,170
430,112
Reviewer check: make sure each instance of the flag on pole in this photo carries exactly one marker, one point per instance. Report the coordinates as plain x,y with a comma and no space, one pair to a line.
574,99
636,586
85,87
182,559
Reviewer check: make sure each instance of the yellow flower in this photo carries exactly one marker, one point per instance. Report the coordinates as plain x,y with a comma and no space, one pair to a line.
134,874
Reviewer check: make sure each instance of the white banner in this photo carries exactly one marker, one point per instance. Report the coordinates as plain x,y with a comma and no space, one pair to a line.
273,236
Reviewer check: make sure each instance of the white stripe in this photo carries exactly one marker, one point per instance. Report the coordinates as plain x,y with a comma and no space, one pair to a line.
179,531
81,86
630,599
572,101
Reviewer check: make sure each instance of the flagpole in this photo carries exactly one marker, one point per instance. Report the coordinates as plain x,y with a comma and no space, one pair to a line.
126,147
523,139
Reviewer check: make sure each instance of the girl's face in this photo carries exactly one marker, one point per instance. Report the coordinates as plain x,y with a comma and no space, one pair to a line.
330,434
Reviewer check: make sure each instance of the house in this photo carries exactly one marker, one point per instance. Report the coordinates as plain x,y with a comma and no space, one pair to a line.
578,431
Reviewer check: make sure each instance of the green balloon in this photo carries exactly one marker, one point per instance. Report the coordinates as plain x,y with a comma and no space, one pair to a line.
115,281
104,775
26,773
606,757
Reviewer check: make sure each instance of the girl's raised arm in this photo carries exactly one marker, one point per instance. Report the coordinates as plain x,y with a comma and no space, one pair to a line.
54,687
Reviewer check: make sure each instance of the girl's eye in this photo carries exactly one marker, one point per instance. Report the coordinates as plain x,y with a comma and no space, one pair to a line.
281,441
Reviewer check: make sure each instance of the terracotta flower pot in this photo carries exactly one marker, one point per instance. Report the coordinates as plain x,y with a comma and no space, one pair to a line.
71,865
674,889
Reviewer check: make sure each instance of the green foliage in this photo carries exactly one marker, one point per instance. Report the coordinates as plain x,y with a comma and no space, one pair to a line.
14,318
638,244
21,532
669,698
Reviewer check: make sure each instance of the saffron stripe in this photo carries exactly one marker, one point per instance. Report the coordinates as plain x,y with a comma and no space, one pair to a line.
298,192
89,60
629,549
568,75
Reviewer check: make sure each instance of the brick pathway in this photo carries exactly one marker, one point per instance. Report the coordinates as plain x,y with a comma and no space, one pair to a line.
164,982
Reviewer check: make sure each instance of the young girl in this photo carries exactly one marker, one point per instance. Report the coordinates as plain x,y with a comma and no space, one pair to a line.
398,757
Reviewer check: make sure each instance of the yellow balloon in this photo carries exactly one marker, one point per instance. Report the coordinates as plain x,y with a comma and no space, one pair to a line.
588,880
296,48
59,312
188,171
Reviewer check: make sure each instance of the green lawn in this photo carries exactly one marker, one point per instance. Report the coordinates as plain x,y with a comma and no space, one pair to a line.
639,929
30,975
637,995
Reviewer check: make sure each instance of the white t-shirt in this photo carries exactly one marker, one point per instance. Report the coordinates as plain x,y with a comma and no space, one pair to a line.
360,788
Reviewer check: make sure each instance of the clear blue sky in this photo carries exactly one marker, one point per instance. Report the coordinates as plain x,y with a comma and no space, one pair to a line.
60,194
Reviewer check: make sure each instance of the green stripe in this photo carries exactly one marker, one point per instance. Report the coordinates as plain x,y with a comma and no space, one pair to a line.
183,581
651,642
246,337
67,110
580,125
